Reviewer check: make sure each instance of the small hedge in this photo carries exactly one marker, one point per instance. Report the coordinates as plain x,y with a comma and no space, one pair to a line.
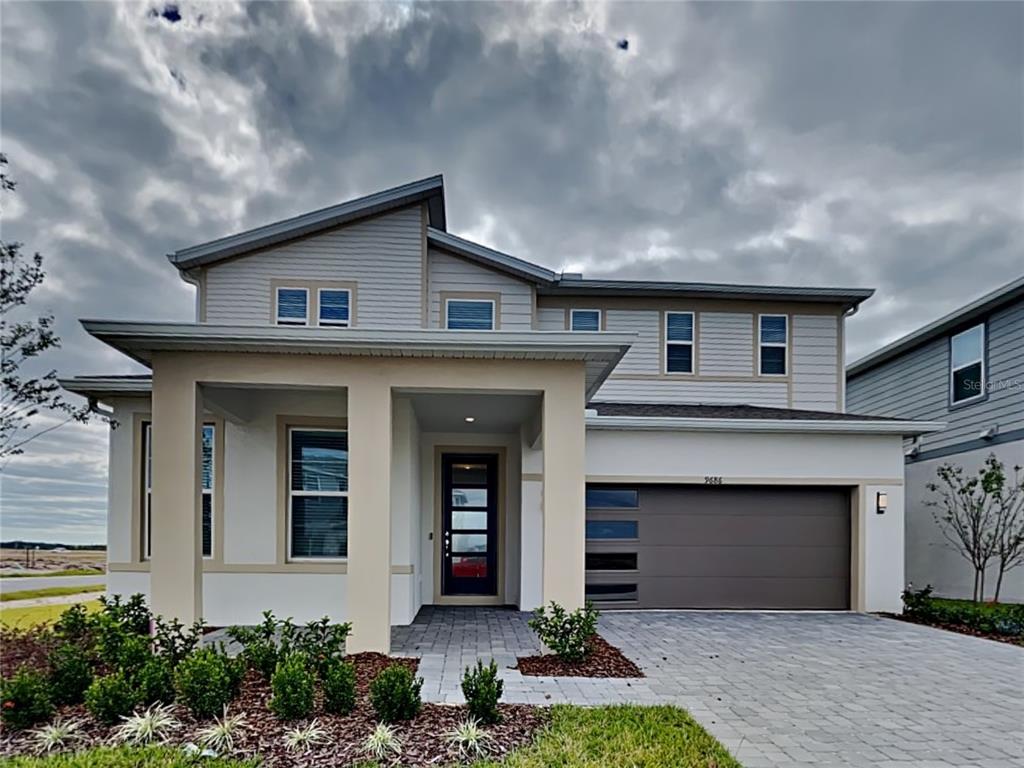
207,680
986,618
293,686
339,684
395,694
567,633
110,698
483,688
25,699
70,674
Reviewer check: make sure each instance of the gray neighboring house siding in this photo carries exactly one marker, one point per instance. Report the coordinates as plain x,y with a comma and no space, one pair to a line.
915,385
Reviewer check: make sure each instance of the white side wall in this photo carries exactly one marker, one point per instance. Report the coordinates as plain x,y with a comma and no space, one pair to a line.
930,558
405,512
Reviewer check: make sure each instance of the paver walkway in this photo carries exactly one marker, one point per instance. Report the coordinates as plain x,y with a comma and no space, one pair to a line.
777,689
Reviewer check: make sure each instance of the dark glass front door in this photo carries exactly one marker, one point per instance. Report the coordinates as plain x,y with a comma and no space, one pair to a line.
469,519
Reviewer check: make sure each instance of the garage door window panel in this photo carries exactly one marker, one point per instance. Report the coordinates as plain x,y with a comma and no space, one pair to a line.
612,498
612,593
611,561
619,530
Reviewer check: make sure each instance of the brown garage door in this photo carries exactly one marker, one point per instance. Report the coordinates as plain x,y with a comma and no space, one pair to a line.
684,546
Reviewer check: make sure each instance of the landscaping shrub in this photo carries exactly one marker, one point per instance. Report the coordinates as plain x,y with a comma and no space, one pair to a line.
110,698
395,694
322,641
482,688
566,632
292,685
73,625
259,644
154,682
25,699
172,641
132,614
206,680
110,635
916,601
70,673
985,618
134,652
338,680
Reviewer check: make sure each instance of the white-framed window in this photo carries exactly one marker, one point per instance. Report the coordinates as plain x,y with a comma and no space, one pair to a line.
679,342
967,365
585,319
291,306
317,493
208,438
469,314
773,343
334,306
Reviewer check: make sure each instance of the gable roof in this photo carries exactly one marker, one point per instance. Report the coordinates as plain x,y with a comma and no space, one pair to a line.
975,310
489,257
429,190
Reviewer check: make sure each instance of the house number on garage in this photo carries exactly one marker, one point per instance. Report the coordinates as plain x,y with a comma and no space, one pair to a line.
712,479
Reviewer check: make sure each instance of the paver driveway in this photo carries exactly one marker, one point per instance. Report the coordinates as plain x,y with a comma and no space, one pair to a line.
777,689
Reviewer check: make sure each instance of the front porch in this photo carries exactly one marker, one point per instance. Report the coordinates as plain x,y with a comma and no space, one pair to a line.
326,493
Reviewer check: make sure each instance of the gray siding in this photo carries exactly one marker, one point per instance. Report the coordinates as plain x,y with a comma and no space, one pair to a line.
815,363
550,319
726,344
383,256
773,394
916,385
451,273
644,356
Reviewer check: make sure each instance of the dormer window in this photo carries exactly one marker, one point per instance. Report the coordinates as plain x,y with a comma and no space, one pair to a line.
333,307
292,306
469,314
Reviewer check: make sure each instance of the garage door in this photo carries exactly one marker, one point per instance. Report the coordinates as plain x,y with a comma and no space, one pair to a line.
685,546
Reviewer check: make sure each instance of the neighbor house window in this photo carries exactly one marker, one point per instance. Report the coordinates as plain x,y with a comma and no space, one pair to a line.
773,337
585,319
318,492
967,365
292,306
333,306
469,314
679,342
207,489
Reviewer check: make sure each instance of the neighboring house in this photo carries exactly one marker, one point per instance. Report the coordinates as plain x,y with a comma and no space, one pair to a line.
965,369
371,414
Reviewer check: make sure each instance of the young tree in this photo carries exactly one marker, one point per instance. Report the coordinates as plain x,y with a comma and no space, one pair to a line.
966,513
23,395
1009,527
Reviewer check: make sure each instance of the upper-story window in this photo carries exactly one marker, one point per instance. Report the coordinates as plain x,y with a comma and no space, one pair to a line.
469,314
585,319
333,306
967,365
679,342
292,306
773,337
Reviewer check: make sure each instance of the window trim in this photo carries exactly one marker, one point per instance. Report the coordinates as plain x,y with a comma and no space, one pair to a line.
982,359
321,323
785,345
215,491
289,494
692,343
473,300
277,306
600,318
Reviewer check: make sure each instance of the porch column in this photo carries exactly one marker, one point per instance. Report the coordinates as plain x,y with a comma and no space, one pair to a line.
368,590
564,482
176,567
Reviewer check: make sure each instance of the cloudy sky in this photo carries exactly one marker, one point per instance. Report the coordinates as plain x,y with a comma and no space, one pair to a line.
868,144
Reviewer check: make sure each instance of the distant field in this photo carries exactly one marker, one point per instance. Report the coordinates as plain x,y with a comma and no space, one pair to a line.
50,563
23,618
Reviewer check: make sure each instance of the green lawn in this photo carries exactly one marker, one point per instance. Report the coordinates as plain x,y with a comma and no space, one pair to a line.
578,737
65,572
32,594
23,618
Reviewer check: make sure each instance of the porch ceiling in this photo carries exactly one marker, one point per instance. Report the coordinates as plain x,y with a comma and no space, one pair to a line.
491,413
600,352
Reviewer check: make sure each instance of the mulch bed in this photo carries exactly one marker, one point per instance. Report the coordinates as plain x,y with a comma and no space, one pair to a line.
602,660
958,628
423,738
24,648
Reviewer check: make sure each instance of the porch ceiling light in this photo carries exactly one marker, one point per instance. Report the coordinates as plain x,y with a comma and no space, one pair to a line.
470,419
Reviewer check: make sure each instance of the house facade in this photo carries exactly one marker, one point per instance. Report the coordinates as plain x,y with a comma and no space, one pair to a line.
965,369
370,414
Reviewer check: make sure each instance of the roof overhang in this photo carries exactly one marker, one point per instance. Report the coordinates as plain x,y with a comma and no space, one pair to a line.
429,191
600,352
106,387
489,257
803,426
966,315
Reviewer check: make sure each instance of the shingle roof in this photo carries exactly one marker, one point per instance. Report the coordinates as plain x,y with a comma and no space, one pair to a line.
698,411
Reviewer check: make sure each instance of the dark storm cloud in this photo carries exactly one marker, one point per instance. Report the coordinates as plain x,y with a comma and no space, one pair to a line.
828,143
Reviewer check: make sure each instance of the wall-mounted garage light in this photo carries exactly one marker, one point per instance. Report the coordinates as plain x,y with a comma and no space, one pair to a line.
470,419
881,502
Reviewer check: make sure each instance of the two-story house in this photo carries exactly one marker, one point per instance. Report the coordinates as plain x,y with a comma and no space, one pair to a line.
371,414
965,369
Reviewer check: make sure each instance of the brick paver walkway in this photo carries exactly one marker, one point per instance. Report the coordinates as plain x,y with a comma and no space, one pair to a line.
777,689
